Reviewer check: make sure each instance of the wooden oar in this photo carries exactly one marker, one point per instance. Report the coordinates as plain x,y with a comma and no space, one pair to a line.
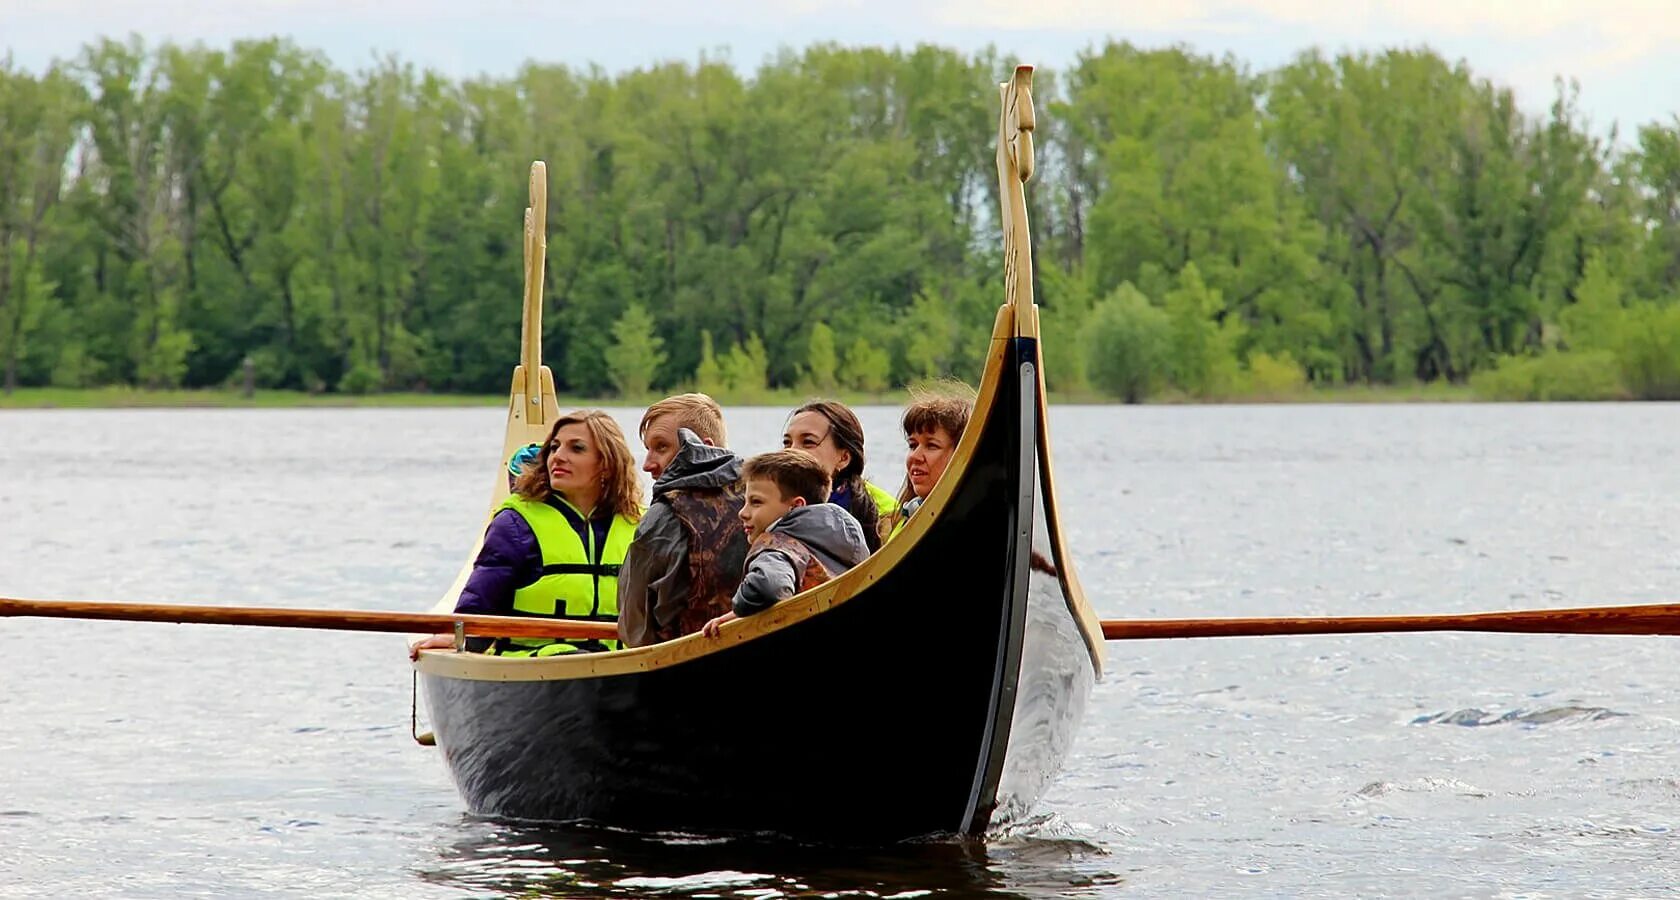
1658,618
331,619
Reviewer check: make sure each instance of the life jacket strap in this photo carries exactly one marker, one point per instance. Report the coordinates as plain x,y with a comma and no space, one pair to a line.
604,570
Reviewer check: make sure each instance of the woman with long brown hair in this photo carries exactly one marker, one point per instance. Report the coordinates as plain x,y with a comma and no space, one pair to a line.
555,546
831,432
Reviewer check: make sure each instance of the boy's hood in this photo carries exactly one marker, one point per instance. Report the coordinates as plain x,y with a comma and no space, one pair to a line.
830,531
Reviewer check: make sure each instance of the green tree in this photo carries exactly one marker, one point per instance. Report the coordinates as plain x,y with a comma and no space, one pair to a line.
1270,375
1595,320
821,359
1181,174
1364,135
40,116
709,377
1128,345
1649,352
929,336
746,369
1202,360
1655,171
134,215
1065,318
636,353
866,368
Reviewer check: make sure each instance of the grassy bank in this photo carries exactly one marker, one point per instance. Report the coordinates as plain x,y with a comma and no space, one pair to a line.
1362,393
132,398
1440,392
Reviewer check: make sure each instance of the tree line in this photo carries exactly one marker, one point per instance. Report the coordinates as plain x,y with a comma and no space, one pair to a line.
827,221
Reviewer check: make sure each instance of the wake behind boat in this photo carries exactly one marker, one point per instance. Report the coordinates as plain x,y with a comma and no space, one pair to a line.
935,688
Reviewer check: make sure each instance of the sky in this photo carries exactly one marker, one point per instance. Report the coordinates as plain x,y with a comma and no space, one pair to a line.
1614,48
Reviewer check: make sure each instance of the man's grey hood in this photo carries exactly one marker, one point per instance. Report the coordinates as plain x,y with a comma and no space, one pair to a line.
698,465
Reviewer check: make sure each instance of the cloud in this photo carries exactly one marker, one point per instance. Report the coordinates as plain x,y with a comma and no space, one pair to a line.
1592,37
1617,48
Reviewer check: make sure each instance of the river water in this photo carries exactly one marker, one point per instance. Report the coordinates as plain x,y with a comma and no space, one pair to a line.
143,760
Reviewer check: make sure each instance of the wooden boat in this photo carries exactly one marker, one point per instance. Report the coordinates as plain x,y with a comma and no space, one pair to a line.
934,689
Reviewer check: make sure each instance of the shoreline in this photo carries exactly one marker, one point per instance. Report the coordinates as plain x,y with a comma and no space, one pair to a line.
136,398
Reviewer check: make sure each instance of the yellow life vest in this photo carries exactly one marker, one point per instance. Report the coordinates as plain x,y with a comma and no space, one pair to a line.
885,503
903,520
579,577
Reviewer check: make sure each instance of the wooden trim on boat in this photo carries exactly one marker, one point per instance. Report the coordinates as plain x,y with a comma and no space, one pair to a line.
1026,323
1083,613
483,667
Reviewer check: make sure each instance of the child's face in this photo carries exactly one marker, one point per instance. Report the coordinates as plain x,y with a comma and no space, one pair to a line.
764,505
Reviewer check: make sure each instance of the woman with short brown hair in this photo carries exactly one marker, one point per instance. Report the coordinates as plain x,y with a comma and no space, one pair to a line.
933,424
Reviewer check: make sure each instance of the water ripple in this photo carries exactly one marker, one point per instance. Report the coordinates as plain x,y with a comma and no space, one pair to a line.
1476,718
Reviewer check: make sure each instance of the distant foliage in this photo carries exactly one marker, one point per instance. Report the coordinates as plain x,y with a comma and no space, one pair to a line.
822,363
1649,352
1202,229
1201,358
363,378
1128,345
74,369
636,355
1274,376
745,370
1579,375
1064,317
708,376
1594,321
867,367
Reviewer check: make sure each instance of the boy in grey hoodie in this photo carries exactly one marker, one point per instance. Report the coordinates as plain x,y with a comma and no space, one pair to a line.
798,539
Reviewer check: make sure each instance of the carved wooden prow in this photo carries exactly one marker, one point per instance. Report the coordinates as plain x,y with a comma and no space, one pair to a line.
532,407
536,255
1016,122
1015,166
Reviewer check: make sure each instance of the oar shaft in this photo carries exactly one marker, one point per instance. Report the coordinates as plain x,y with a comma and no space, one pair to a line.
1651,619
1661,618
330,619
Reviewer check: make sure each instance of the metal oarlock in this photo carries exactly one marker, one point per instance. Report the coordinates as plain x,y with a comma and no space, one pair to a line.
429,739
